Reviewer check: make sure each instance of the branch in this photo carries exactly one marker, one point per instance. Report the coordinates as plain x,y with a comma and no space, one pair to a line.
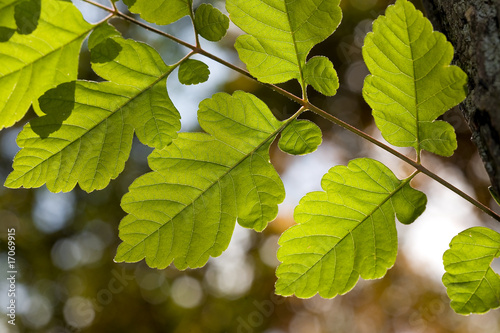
306,105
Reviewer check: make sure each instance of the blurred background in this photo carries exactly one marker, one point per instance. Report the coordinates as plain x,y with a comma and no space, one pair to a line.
65,242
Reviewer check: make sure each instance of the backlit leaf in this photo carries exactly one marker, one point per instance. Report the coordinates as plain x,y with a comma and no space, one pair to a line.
470,281
281,33
300,137
31,64
347,231
185,210
193,72
320,74
19,16
412,82
86,135
210,23
161,11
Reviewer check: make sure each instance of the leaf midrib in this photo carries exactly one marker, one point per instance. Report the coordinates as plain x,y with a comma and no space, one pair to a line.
417,113
226,173
389,196
483,278
111,113
292,33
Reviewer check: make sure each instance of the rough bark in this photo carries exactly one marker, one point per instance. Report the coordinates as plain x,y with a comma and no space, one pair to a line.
472,26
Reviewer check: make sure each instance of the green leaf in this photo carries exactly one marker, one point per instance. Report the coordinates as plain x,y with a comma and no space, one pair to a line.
347,231
32,64
300,137
185,210
319,73
160,12
27,14
101,34
470,281
102,46
86,136
18,15
193,72
210,23
412,82
281,33
7,20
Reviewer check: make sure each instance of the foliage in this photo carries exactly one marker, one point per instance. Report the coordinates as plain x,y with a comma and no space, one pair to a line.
185,210
33,63
412,83
347,231
471,283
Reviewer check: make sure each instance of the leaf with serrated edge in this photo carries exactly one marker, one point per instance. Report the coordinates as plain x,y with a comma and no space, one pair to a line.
281,33
185,210
412,82
86,136
161,11
32,64
193,71
210,23
300,137
320,74
470,282
345,232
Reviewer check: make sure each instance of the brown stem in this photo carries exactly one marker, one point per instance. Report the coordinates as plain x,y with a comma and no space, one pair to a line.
306,105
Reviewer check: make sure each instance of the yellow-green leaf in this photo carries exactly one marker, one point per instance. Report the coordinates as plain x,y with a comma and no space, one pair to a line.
31,64
281,33
347,231
412,82
185,210
471,283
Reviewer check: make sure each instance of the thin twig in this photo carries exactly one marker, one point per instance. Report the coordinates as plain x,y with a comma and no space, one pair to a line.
111,10
305,104
209,55
406,159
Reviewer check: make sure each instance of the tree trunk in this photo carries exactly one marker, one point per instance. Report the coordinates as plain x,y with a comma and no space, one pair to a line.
472,26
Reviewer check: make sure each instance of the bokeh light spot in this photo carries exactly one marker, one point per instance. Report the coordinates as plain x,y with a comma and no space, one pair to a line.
187,292
78,312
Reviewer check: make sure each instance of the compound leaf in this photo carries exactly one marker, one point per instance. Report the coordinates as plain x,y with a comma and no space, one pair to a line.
300,137
86,135
281,33
160,12
470,281
347,231
193,72
32,64
185,210
412,82
210,23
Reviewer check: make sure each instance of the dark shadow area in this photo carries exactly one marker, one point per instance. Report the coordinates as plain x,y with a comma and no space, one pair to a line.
129,3
6,34
25,16
105,51
57,104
